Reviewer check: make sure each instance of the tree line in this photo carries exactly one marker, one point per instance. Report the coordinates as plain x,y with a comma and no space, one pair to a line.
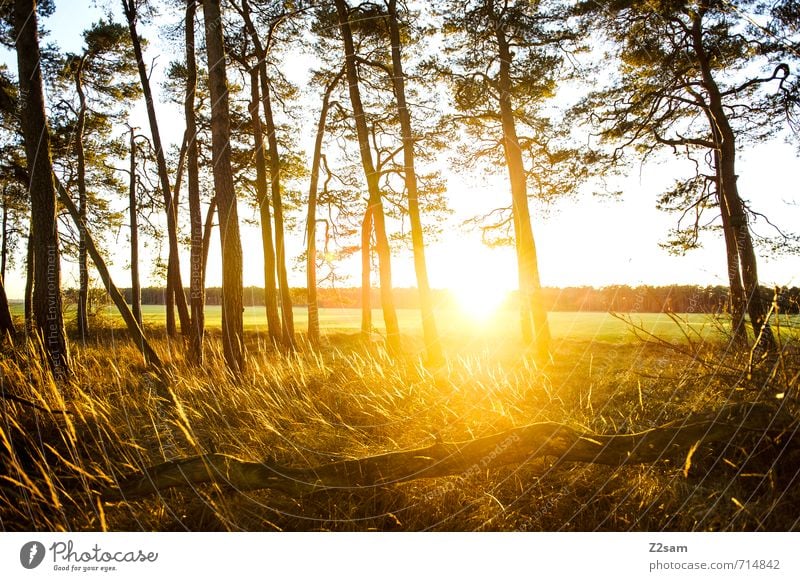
614,298
488,84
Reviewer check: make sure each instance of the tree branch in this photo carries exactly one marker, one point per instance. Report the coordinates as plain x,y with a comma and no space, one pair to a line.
515,446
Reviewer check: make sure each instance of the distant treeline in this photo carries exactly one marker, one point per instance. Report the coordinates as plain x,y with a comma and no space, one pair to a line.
618,298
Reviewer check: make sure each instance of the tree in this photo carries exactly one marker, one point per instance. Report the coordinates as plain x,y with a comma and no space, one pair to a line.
47,300
133,212
196,286
273,154
311,221
15,192
15,208
375,204
174,284
30,323
432,345
274,327
502,68
697,77
692,197
6,322
232,322
102,68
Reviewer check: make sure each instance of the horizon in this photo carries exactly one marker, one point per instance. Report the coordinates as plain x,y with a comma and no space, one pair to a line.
413,288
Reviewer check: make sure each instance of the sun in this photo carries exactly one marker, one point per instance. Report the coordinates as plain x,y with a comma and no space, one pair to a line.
480,300
479,278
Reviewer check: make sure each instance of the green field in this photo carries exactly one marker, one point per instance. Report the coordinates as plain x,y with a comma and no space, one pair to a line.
576,326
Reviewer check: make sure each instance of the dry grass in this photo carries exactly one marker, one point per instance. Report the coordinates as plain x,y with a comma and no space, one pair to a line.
350,401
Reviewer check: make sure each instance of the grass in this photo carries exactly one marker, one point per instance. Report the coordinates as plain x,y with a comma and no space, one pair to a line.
578,326
349,400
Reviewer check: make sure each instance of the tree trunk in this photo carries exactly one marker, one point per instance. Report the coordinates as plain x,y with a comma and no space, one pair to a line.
196,286
275,179
311,220
134,329
169,302
531,304
533,314
129,8
737,299
721,128
29,268
432,345
373,185
232,323
208,226
171,297
6,322
4,234
133,210
83,266
175,293
274,328
47,304
277,206
366,272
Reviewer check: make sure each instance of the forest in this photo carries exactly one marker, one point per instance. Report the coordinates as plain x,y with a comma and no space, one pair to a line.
190,147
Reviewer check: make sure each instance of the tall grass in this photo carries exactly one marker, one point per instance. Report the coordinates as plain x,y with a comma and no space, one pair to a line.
350,400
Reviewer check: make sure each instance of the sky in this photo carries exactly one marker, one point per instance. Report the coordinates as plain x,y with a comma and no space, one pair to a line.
585,240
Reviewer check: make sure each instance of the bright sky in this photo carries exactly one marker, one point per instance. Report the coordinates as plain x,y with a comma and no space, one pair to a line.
583,241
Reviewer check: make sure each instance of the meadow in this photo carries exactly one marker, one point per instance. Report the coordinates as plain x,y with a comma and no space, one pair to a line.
350,400
454,322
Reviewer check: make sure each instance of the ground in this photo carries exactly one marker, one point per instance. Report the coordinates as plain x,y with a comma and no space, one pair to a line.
350,400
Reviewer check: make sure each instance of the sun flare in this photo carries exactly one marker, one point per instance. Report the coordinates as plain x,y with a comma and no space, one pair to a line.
478,277
479,301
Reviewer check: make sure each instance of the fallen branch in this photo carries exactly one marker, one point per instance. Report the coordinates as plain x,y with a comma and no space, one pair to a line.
514,446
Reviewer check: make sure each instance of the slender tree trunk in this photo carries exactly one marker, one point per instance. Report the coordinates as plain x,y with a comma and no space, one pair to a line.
136,287
47,303
311,220
6,322
208,226
275,179
375,200
274,327
29,268
366,272
737,299
277,206
83,260
196,286
169,303
4,234
431,335
531,305
175,293
232,323
170,293
129,8
720,125
756,305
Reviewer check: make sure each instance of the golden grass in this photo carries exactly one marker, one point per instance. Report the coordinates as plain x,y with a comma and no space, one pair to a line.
349,400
